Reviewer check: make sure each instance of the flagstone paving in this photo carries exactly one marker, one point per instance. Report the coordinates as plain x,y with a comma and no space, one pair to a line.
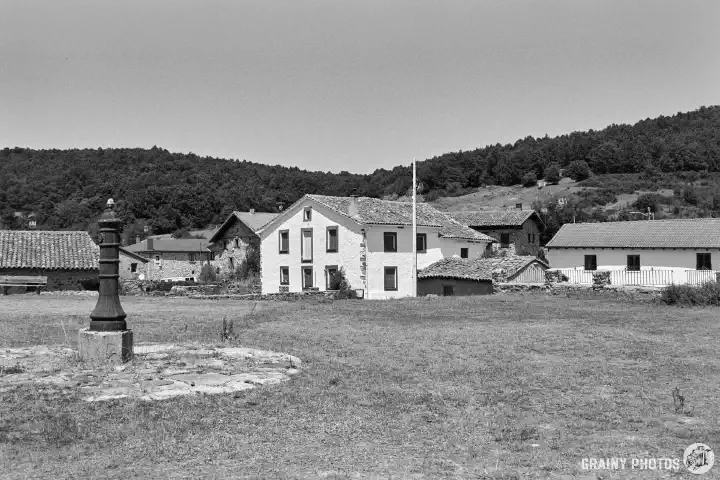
157,372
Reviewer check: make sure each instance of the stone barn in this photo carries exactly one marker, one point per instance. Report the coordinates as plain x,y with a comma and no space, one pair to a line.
65,258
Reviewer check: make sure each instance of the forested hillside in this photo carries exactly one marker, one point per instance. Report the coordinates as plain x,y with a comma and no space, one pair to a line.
66,189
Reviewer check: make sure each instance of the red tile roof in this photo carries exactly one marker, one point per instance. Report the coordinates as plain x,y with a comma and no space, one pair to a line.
677,233
48,250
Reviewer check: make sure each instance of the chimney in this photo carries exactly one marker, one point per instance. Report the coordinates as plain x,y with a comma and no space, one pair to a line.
354,207
252,211
137,238
150,244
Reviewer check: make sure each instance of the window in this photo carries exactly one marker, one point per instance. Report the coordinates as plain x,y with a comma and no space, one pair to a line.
330,270
504,240
307,277
237,243
157,258
284,241
306,245
390,241
307,214
448,291
421,242
332,239
231,261
191,257
133,267
463,253
211,256
532,237
590,262
284,275
390,278
633,262
703,261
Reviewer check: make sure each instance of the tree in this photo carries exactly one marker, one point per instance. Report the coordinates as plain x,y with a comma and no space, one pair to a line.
578,170
552,174
529,179
647,200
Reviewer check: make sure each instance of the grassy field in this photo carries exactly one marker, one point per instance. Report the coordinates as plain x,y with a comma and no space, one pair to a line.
481,387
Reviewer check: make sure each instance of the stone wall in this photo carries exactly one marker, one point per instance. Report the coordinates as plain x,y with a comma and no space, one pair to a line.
57,279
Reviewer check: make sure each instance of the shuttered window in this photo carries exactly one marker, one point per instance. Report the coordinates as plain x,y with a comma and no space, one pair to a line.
703,261
590,262
306,250
422,242
284,241
332,239
391,278
390,241
284,275
633,262
463,253
307,277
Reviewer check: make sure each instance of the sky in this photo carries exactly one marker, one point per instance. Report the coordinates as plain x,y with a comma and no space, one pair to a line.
337,85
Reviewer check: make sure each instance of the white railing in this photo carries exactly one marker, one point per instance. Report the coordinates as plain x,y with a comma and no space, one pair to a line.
698,277
641,277
579,277
647,277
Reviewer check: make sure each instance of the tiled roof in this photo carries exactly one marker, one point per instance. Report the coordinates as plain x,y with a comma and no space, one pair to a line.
255,220
477,269
494,218
133,255
677,233
48,250
170,245
374,211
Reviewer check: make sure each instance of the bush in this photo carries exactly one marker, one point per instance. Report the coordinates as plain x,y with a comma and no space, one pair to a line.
578,170
529,179
207,274
339,282
552,174
90,284
250,264
687,295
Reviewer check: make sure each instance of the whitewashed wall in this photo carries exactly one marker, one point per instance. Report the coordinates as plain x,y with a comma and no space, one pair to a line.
616,259
348,255
437,249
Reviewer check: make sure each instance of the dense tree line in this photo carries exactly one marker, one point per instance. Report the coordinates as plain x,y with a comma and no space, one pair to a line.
166,192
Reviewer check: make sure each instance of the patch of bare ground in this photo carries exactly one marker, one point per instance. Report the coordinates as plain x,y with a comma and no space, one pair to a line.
476,387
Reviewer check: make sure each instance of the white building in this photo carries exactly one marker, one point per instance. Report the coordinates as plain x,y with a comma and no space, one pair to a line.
680,246
370,239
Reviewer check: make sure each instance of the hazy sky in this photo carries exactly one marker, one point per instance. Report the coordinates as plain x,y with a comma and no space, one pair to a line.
338,85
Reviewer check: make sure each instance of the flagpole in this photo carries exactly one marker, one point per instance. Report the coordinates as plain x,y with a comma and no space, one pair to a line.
414,232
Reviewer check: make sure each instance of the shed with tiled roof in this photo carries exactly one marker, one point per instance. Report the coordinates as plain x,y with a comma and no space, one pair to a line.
68,259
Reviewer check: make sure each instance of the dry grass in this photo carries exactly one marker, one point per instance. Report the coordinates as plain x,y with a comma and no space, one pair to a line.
483,387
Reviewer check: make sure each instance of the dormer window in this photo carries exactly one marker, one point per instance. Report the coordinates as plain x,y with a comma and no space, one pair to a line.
307,214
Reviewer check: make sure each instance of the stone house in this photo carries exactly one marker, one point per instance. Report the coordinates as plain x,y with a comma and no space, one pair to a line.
678,246
65,258
370,239
132,265
516,232
231,240
174,259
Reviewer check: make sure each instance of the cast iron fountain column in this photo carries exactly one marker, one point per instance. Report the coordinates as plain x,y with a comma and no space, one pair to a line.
109,315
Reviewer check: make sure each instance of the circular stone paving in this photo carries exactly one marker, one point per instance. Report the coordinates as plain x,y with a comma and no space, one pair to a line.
157,371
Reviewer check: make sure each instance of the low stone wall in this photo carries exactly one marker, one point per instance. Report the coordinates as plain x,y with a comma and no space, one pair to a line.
569,288
282,297
555,276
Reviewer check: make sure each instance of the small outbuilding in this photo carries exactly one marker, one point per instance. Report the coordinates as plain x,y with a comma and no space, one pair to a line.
459,276
67,259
